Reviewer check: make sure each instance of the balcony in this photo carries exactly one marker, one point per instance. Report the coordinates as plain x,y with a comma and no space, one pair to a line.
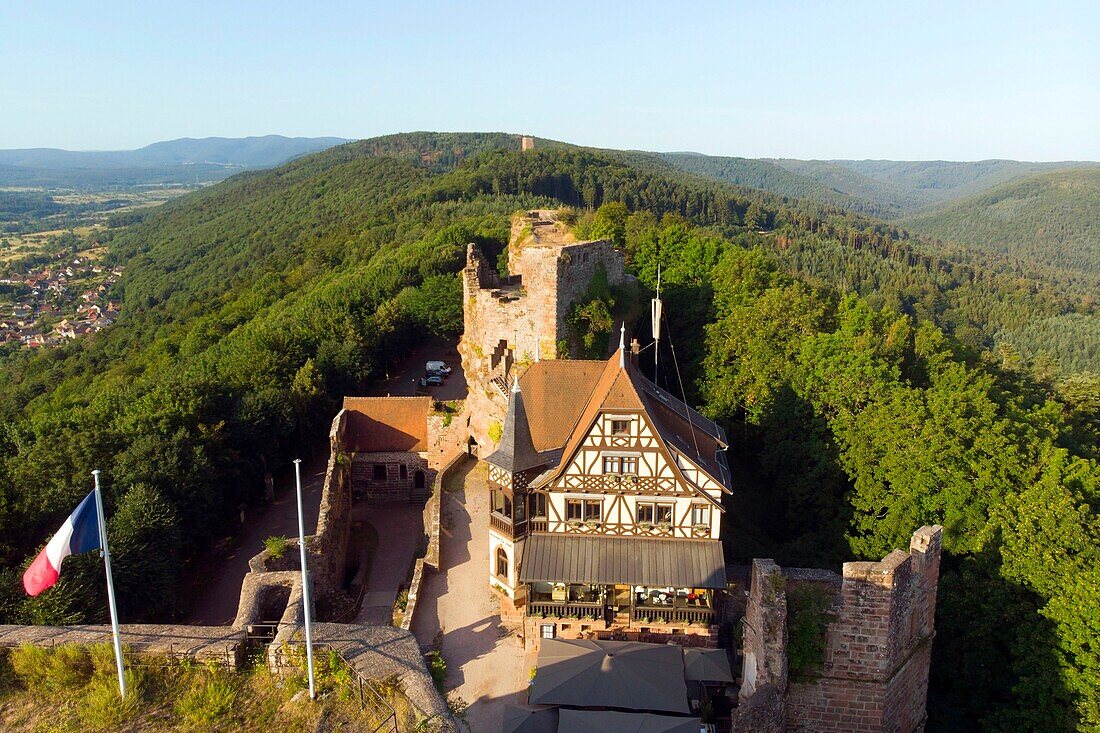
539,524
501,524
566,609
673,614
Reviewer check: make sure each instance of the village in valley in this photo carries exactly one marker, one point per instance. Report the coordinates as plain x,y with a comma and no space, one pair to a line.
62,300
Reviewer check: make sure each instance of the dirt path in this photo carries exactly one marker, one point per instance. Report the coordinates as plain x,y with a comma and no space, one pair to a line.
485,660
214,580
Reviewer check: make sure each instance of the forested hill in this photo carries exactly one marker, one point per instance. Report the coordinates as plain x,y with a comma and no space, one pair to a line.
868,385
1051,218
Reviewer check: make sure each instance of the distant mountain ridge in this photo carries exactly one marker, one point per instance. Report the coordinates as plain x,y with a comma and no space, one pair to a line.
887,189
186,160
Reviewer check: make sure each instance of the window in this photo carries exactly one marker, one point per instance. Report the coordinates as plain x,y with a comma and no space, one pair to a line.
546,631
574,509
700,514
502,503
379,472
621,465
593,510
538,505
583,510
644,513
664,513
620,427
502,564
404,471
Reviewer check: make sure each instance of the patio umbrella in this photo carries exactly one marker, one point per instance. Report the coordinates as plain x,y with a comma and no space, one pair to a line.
519,719
610,674
609,721
707,665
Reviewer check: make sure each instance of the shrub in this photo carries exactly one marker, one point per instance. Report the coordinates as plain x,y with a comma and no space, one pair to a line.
807,620
276,546
437,667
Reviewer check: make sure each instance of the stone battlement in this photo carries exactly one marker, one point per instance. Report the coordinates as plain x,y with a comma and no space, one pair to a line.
878,640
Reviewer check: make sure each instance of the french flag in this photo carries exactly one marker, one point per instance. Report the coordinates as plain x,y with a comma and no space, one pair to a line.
80,533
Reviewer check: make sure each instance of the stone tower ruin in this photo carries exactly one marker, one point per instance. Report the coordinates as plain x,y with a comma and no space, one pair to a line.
521,316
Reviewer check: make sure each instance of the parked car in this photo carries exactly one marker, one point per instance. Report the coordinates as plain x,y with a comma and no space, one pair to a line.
439,367
433,381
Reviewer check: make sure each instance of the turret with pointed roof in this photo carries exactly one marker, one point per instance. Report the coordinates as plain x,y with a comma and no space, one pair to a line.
516,451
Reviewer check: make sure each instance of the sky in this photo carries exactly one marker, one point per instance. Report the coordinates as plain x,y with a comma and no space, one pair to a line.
898,80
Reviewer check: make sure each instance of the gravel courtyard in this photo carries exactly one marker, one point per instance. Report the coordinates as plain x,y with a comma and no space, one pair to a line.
485,660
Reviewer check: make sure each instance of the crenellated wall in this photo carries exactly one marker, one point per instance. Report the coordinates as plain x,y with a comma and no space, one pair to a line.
878,641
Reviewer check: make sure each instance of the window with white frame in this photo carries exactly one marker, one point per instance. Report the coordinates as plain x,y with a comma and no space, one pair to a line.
700,514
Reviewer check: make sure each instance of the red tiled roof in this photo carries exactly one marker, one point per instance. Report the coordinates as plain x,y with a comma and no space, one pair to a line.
383,424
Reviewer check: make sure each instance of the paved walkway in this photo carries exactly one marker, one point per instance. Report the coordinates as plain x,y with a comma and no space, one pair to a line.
485,660
399,527
214,579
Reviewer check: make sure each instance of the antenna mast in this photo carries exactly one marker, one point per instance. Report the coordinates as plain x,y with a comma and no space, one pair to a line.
655,314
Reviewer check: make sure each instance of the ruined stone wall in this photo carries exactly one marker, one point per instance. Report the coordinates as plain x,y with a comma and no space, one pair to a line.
504,318
399,483
447,440
764,648
877,643
329,547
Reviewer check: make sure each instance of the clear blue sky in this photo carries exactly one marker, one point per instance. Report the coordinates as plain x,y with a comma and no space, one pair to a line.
913,80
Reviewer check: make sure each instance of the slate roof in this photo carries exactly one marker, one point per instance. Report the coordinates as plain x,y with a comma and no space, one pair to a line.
385,424
558,557
516,451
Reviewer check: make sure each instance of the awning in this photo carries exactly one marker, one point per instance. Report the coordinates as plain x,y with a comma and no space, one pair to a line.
610,674
707,665
607,560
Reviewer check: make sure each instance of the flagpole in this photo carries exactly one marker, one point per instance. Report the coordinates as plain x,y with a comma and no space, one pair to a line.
110,585
305,577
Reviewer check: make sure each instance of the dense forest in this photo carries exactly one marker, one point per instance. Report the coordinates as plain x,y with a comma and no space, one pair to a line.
1050,218
866,382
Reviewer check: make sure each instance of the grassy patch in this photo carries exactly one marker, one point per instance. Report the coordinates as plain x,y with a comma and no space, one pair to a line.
74,689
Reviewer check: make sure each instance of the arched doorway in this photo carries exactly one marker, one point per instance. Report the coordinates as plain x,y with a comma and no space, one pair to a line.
418,479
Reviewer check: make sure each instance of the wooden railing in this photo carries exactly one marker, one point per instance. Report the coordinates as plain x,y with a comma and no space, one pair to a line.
566,609
673,614
539,524
501,524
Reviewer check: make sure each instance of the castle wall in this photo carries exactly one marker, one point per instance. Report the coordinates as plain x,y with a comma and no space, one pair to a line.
399,484
877,643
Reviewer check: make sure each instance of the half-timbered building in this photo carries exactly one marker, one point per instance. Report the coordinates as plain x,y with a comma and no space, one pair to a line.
606,504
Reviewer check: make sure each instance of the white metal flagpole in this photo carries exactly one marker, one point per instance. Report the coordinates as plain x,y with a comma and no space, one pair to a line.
110,585
305,578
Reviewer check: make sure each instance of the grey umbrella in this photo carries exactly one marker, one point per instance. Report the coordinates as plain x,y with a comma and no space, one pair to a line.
610,674
707,665
610,721
518,719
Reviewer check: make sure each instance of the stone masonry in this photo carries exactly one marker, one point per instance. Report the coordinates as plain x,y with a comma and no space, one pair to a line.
505,317
877,647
